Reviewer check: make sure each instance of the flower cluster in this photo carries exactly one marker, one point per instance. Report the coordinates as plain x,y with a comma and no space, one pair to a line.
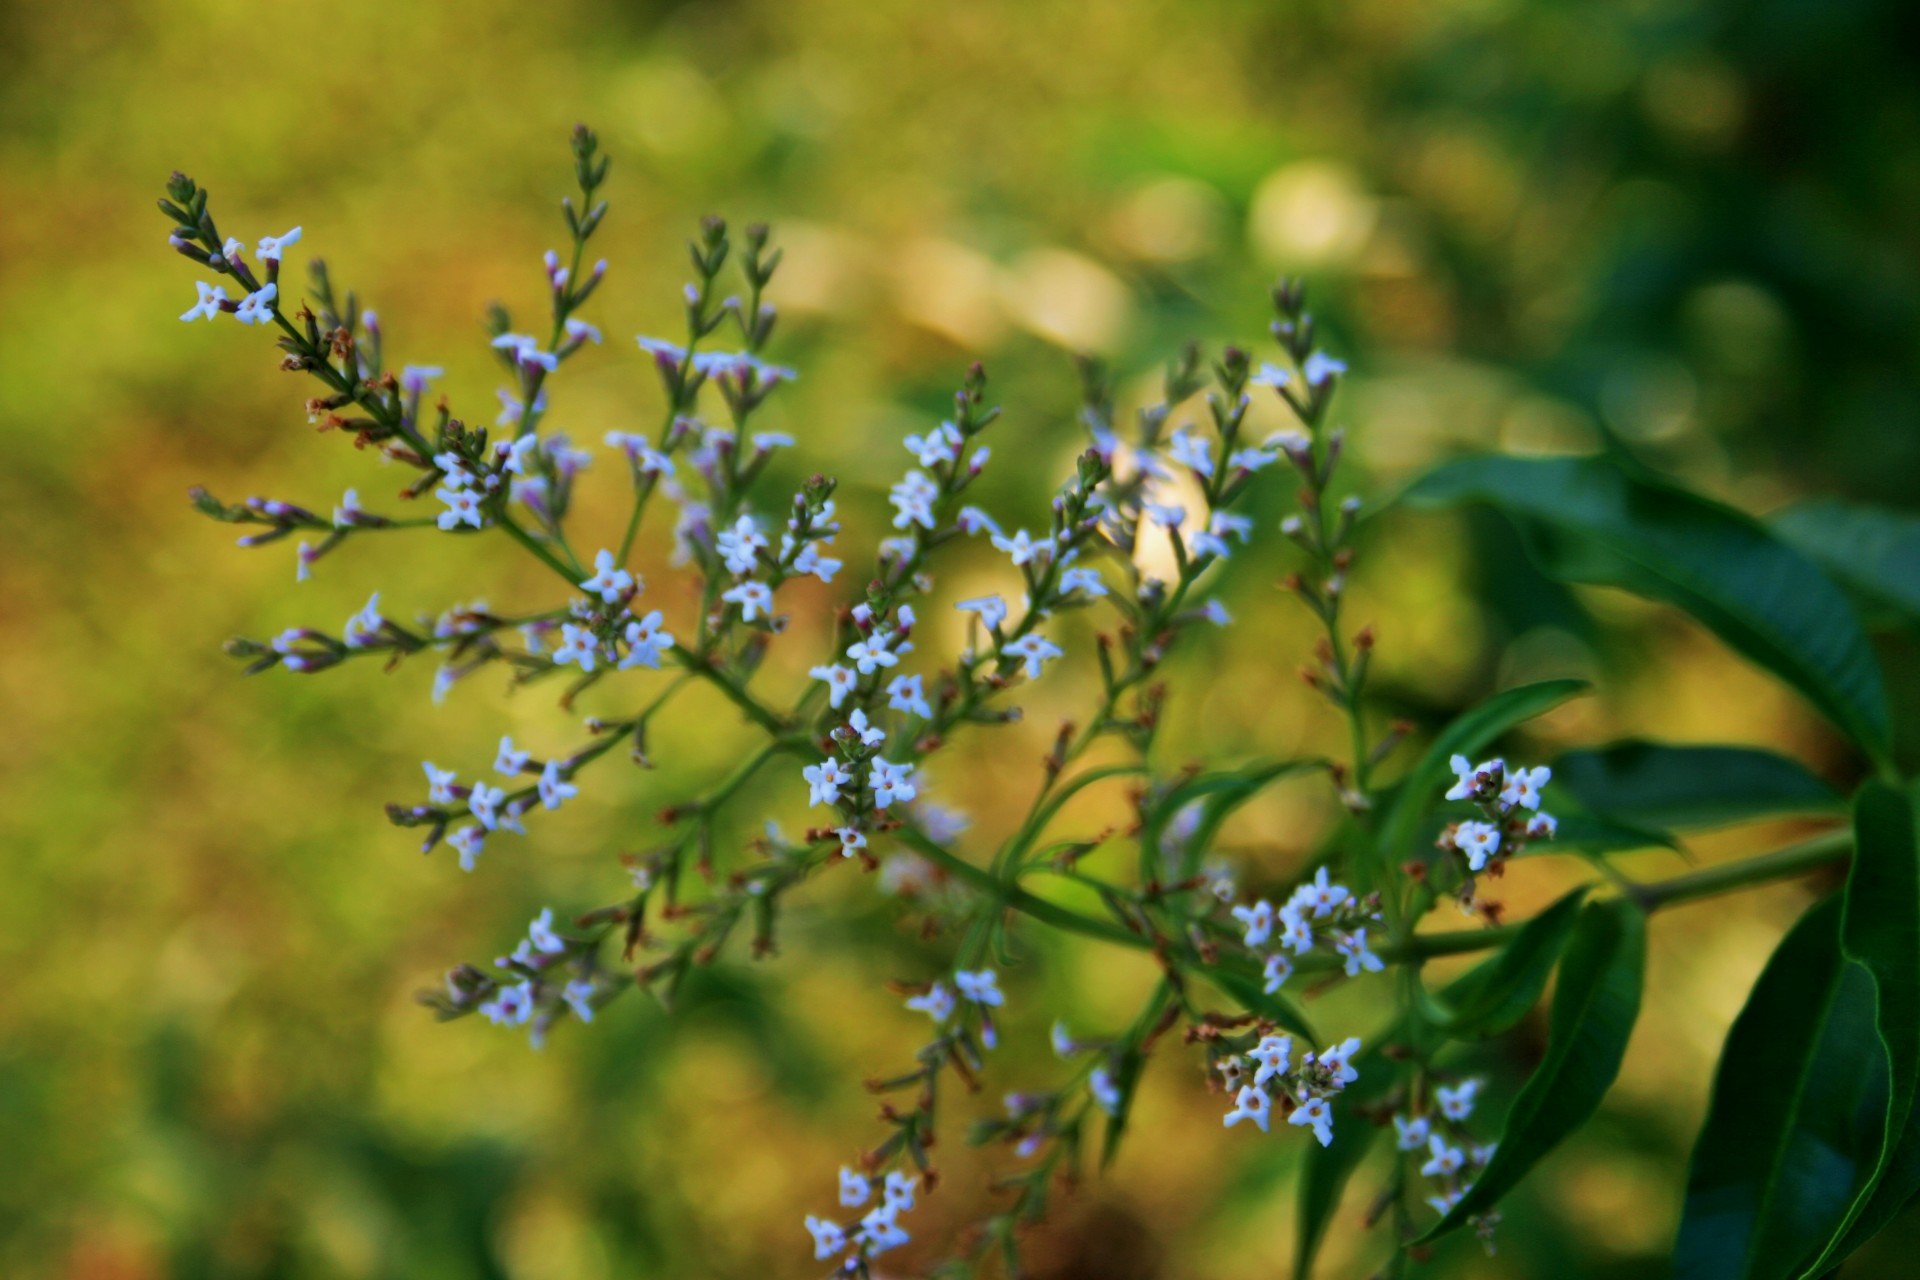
1438,1137
875,1231
1265,1071
546,976
1319,912
1509,803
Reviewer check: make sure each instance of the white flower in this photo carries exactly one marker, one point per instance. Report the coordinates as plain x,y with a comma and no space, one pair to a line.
1542,826
1316,1114
211,296
1444,1202
890,782
1444,1161
1467,776
440,783
1085,581
647,642
1192,451
1258,922
913,500
508,759
980,986
1272,1055
1166,514
1252,459
554,787
511,1006
1411,1132
1276,972
828,1237
1322,896
363,628
1523,787
937,1003
1216,613
541,934
1354,947
1104,1090
879,1230
609,581
870,654
992,610
740,546
463,507
905,694
824,781
1271,375
870,735
851,840
577,644
1338,1062
1295,932
467,841
484,802
942,444
1063,1043
754,598
854,1188
1251,1103
257,307
1321,368
1478,841
414,377
974,520
1457,1103
810,560
348,509
271,248
1022,548
580,331
1036,651
840,682
578,993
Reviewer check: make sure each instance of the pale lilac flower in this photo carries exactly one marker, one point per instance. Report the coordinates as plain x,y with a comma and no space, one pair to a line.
913,500
740,546
1338,1061
509,759
1457,1103
937,1003
1315,1113
440,783
1444,1161
1276,970
541,934
578,645
1192,451
942,444
1411,1132
554,787
1023,548
578,993
463,507
647,642
754,598
272,248
609,581
1273,1055
208,305
1542,826
824,781
904,694
840,681
869,734
973,520
1296,932
1258,922
363,628
890,782
1035,650
414,377
872,653
1104,1090
1086,581
980,986
1523,787
484,802
1251,1103
855,1188
1321,368
467,842
829,1237
852,841
992,610
1354,947
510,1006
1323,896
1271,375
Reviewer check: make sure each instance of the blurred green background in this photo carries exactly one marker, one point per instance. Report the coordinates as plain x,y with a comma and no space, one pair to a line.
1530,223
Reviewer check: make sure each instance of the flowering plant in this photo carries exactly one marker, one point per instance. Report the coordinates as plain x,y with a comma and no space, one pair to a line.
1784,1182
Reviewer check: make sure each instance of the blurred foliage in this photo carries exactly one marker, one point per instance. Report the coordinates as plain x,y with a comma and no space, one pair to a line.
1688,226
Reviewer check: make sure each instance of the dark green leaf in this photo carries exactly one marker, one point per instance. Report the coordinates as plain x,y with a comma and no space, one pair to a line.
1880,931
1594,1008
1670,785
1470,732
1497,993
1795,1123
1587,520
1874,552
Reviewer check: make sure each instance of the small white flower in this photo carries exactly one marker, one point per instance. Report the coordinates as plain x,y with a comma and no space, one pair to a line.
937,1003
272,248
942,444
852,841
609,581
1086,581
440,783
872,653
1411,1132
890,782
1354,947
1457,1103
973,520
578,330
1252,459
904,694
824,781
579,645
913,500
511,1006
1192,451
992,610
1272,1055
484,802
1022,548
509,760
348,509
1295,931
1542,826
363,628
1478,841
1467,776
1063,1043
980,986
1338,1062
1444,1202
740,546
1104,1090
1321,368
414,377
1444,1161
1316,1114
880,1231
541,934
1251,1103
208,306
578,993
1035,650
1322,896
754,598
1166,514
467,842
1276,971
840,681
829,1237
1271,375
854,1188
463,507
647,642
257,307
870,735
1523,787
554,787
1257,919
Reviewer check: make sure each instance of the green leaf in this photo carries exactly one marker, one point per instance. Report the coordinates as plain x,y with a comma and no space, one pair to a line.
1594,1008
1587,520
1468,734
1793,1128
1880,930
1871,551
1497,993
1670,785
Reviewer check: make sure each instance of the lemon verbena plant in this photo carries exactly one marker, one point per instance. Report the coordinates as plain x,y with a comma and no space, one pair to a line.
1785,1180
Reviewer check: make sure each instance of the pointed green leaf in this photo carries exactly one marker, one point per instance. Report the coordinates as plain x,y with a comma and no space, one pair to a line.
1588,520
1795,1123
1671,785
1497,993
1872,551
1594,1008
